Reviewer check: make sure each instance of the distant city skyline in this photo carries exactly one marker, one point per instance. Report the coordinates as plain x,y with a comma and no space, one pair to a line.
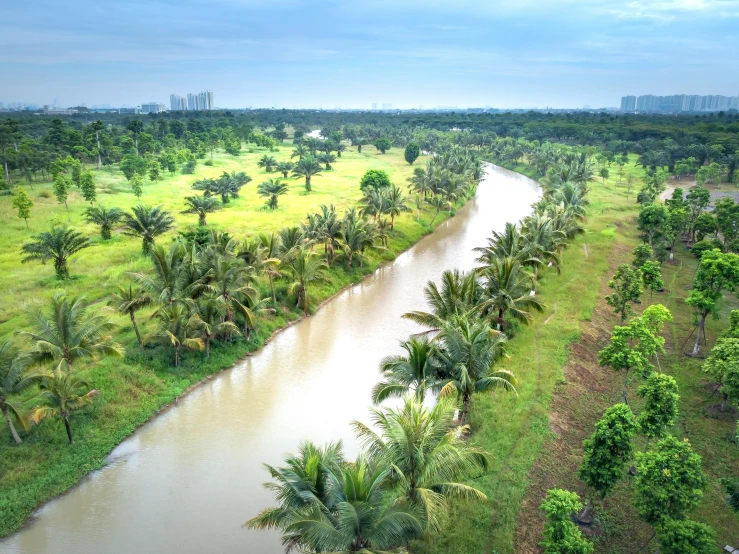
293,53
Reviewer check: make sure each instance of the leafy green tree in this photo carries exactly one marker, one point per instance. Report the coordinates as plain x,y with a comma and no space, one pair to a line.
272,189
200,205
58,245
155,171
383,144
652,222
148,223
561,535
723,366
131,164
376,179
604,173
428,455
305,268
731,488
697,200
69,332
128,301
683,536
627,286
23,203
607,451
15,377
75,167
660,406
651,273
669,481
642,253
467,352
307,167
61,188
632,346
412,151
137,183
62,393
716,273
136,127
104,218
412,372
705,225
87,186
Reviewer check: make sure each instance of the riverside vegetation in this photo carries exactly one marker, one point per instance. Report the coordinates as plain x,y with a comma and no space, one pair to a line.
474,503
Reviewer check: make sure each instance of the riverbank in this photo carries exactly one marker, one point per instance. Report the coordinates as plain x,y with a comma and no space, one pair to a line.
136,388
537,437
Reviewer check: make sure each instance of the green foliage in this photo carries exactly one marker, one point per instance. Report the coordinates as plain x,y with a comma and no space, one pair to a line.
723,366
87,186
201,206
132,164
58,245
383,144
627,284
137,182
653,221
61,189
23,203
642,253
148,223
660,406
105,218
307,167
684,536
608,449
651,273
561,535
375,179
731,488
412,151
669,481
272,189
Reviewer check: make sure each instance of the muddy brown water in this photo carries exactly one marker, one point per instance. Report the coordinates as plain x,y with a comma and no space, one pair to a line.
187,481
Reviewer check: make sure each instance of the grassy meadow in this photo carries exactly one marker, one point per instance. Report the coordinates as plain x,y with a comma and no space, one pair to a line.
134,388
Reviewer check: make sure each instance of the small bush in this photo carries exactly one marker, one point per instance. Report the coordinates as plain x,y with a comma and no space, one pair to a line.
208,163
44,194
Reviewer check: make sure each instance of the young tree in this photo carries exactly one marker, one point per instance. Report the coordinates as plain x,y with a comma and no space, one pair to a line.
683,536
660,406
104,218
148,223
651,273
61,394
412,151
375,179
642,253
61,189
604,173
128,301
272,189
307,167
87,185
58,245
627,285
653,222
284,168
155,171
607,451
200,205
383,144
561,535
669,481
696,200
716,273
723,366
23,203
305,268
15,377
395,204
137,185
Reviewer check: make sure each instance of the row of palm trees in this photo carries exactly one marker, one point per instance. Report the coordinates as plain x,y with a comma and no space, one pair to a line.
415,457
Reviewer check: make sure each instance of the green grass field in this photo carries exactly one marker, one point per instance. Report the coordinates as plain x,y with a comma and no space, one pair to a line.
136,387
536,437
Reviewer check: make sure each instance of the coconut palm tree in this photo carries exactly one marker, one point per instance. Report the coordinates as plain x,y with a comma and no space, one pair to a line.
105,218
129,301
267,162
210,312
291,239
395,204
345,511
459,295
414,371
438,202
69,332
428,455
272,189
307,167
166,285
58,245
200,205
355,236
300,152
62,393
467,351
327,159
507,291
284,168
305,269
15,377
231,280
374,203
178,327
148,223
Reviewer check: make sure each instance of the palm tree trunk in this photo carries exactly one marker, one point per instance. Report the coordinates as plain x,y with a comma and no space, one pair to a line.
136,329
465,408
272,287
13,432
67,426
207,346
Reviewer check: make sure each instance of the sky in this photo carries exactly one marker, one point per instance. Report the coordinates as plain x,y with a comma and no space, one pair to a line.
350,54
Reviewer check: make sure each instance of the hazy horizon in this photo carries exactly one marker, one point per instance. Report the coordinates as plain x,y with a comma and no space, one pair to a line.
293,54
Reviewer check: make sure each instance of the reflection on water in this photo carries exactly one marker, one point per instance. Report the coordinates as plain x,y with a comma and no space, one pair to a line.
187,481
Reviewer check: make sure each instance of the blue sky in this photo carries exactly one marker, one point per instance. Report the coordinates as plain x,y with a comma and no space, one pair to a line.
290,53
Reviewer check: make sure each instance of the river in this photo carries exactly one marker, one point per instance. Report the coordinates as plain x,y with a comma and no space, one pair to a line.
187,481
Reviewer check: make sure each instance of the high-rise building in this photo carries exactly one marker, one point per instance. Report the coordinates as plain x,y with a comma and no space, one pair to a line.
628,103
387,106
152,107
177,103
374,105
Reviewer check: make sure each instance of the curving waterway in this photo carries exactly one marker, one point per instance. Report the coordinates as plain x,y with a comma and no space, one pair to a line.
188,480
